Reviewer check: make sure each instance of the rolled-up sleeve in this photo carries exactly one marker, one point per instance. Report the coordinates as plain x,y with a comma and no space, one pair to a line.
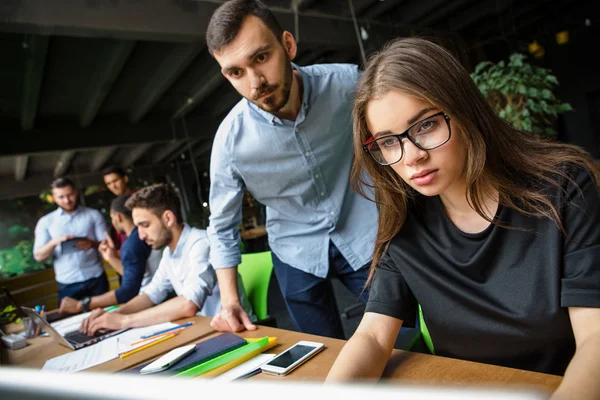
201,278
225,200
159,287
99,225
42,236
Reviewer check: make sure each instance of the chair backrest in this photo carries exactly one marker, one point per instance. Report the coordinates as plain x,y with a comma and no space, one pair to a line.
255,270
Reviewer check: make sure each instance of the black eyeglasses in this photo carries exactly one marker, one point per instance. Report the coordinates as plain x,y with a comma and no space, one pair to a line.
427,134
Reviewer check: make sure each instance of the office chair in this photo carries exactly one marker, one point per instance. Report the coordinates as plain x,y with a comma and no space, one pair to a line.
256,270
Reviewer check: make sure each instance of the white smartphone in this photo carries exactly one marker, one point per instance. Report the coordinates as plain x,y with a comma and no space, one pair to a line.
292,358
169,359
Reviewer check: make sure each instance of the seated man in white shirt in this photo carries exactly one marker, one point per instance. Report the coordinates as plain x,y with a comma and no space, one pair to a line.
184,268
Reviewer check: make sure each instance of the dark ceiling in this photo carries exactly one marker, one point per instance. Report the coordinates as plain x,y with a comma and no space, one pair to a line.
88,83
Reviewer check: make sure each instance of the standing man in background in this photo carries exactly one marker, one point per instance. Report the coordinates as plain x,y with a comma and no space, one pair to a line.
116,180
137,263
78,269
289,142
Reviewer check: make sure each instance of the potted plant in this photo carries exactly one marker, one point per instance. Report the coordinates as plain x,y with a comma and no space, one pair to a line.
521,93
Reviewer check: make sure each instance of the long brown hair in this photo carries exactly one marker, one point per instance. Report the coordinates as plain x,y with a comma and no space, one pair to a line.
520,166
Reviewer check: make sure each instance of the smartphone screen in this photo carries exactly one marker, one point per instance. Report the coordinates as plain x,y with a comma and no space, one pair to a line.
290,356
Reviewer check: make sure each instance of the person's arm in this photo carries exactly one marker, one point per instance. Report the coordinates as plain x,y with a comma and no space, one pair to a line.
134,255
581,378
111,256
171,310
44,245
106,320
226,194
71,305
368,350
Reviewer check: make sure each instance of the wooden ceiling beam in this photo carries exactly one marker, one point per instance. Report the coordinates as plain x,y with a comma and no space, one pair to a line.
103,79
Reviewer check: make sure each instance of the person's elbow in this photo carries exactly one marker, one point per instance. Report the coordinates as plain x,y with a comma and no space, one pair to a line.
39,257
188,308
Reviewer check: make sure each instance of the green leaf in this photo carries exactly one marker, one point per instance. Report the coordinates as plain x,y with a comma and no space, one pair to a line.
546,94
551,79
533,92
481,66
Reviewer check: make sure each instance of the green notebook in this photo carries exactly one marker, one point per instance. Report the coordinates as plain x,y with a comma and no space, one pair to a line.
225,358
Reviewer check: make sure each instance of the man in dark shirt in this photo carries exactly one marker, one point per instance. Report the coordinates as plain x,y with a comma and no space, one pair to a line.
137,261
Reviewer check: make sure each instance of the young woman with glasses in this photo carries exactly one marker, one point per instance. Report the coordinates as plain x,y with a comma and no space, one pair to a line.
489,234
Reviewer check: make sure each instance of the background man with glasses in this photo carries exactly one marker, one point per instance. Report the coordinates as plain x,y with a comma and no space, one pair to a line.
289,142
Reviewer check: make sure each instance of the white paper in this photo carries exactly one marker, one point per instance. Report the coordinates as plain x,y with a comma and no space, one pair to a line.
130,336
85,358
244,368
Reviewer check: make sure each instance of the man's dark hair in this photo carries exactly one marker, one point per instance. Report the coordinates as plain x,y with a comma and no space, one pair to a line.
61,183
227,20
158,199
118,205
113,169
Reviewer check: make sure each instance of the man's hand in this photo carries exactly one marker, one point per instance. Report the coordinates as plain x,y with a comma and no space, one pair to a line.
70,305
84,244
60,239
111,320
108,253
109,241
232,318
85,324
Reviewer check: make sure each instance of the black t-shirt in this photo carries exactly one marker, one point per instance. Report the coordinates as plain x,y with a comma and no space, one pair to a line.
499,296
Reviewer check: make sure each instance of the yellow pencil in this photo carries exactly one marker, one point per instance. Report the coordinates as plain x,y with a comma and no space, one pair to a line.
148,345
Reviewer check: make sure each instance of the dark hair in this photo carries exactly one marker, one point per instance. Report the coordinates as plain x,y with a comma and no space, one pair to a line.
61,183
516,164
113,169
118,205
227,20
158,199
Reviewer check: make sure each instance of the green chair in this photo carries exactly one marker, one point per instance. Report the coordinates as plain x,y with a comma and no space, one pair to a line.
256,270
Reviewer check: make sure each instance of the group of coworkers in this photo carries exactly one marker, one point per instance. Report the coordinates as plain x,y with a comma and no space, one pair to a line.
400,180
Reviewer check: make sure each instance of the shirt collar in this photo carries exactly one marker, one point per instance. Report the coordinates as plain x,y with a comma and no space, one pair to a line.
181,242
305,96
62,212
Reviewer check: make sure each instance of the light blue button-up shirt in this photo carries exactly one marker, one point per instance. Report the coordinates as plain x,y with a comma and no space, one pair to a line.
77,266
300,171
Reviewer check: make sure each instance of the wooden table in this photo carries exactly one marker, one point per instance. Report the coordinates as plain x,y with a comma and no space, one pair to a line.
41,349
404,366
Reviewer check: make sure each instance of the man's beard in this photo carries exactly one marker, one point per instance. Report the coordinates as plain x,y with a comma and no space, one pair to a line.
70,208
164,238
270,104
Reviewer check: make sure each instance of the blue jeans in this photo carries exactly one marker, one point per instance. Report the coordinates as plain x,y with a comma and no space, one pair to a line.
310,299
79,290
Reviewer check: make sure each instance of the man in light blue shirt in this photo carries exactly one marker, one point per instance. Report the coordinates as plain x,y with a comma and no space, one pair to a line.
184,268
289,143
77,266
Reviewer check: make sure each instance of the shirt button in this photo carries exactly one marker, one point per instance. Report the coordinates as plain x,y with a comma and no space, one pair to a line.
332,213
322,194
307,154
317,176
297,130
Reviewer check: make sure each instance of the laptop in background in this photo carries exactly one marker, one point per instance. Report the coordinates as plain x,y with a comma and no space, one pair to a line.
74,340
